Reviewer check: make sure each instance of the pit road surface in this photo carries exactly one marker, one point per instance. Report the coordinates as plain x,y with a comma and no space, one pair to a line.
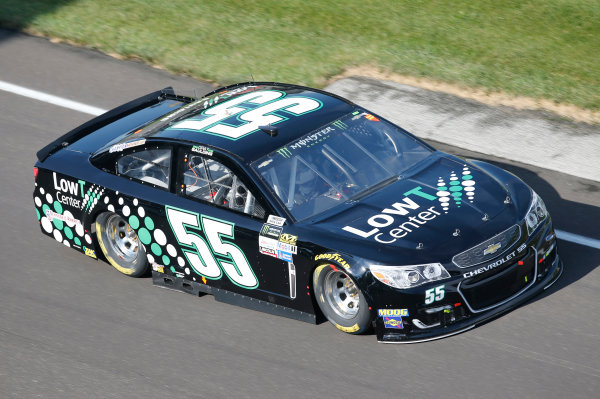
73,327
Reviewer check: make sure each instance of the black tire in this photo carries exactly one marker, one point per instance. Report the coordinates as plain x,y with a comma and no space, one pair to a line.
120,245
340,300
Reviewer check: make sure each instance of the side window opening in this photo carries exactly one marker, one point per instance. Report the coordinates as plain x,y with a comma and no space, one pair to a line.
211,181
149,166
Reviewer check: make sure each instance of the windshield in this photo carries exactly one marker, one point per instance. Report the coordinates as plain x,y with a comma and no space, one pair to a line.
337,162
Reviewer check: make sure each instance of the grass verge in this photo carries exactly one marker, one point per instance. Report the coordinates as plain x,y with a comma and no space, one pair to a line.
539,48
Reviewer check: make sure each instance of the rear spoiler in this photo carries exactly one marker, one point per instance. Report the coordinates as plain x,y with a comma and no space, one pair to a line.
105,119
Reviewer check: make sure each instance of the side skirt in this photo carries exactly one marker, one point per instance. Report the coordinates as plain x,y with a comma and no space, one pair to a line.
194,288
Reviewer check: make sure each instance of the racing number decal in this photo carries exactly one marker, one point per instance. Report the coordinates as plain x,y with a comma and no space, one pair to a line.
210,259
251,117
434,294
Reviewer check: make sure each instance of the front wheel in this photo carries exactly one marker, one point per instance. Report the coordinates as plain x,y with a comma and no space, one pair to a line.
340,300
121,245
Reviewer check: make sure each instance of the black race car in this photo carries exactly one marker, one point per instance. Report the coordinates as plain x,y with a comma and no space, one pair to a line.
300,203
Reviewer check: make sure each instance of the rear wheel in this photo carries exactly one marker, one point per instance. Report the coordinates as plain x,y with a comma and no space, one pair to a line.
340,300
121,245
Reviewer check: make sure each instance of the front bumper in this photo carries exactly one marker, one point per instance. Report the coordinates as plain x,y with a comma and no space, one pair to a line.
470,302
385,335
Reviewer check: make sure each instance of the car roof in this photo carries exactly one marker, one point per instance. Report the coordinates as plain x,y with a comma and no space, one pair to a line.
251,146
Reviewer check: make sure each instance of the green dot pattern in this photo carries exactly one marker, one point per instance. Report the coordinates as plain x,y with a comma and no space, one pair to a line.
38,214
144,236
149,223
58,224
134,222
156,249
58,207
68,232
455,186
77,241
166,261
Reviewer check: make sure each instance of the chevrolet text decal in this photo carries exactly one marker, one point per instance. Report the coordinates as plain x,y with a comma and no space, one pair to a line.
388,216
495,264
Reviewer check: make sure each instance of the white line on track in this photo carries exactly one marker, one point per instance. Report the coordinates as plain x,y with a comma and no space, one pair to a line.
88,109
576,238
49,98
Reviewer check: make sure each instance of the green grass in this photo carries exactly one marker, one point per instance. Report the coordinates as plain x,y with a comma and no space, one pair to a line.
540,48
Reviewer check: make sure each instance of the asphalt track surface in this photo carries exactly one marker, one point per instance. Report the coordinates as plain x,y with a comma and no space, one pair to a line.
73,327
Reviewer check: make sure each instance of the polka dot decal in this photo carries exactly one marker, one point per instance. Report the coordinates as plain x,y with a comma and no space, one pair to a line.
160,237
134,222
456,189
62,219
55,219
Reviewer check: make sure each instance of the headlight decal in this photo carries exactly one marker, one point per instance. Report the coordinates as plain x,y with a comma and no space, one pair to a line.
403,277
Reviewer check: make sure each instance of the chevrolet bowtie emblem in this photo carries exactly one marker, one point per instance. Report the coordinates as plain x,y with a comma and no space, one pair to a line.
492,248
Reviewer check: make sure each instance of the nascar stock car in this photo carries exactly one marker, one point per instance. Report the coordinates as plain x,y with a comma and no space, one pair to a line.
297,202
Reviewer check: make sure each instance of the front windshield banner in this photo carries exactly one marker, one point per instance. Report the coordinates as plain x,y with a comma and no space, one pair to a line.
337,162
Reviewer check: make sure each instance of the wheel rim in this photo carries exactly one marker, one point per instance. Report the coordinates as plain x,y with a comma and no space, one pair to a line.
341,294
122,238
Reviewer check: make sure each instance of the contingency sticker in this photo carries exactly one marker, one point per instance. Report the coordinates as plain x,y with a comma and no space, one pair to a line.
271,231
200,149
123,146
392,318
276,220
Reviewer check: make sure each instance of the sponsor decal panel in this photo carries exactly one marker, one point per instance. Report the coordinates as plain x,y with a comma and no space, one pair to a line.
288,238
271,231
90,252
76,194
286,256
158,268
282,246
268,251
276,220
65,218
200,149
417,208
388,217
123,146
392,318
266,242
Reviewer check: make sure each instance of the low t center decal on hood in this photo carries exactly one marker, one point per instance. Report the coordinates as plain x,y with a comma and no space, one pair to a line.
403,208
456,188
417,208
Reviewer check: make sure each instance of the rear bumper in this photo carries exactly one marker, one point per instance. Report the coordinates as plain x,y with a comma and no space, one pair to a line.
385,335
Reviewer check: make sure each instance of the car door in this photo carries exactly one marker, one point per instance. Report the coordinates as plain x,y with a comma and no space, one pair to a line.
217,222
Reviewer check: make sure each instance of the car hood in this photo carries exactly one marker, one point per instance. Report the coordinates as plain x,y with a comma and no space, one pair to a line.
440,210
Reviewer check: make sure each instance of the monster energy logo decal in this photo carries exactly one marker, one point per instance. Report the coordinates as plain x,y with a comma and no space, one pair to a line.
340,125
284,152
